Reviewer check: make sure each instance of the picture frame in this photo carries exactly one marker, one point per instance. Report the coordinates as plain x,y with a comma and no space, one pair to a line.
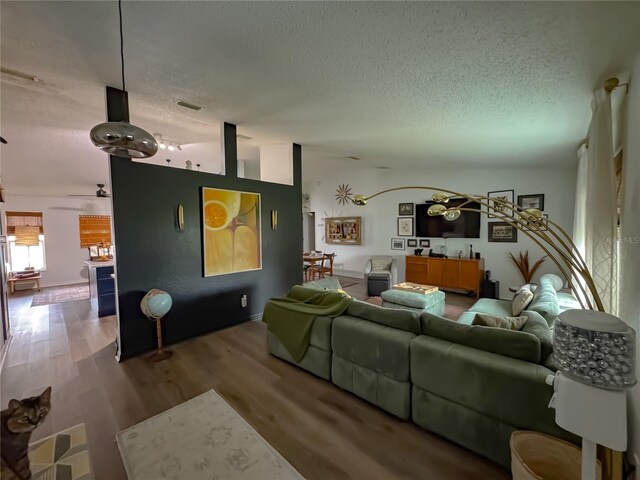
242,228
499,195
502,232
532,201
412,242
397,244
405,209
343,230
425,242
405,227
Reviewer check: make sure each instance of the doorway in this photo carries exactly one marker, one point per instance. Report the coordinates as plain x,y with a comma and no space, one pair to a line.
308,231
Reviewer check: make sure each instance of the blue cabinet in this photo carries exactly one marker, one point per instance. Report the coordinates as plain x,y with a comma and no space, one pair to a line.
102,289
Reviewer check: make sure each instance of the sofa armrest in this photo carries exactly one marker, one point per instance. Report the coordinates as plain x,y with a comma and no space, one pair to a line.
510,390
367,269
394,271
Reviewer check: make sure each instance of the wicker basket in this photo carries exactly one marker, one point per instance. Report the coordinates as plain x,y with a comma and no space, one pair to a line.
536,456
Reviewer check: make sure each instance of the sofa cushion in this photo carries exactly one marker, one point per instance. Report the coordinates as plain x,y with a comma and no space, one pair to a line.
505,389
328,283
545,300
567,301
378,348
492,307
400,319
509,323
521,345
537,325
387,393
521,300
316,360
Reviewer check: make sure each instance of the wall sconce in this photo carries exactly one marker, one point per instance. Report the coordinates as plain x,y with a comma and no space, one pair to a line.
180,214
274,219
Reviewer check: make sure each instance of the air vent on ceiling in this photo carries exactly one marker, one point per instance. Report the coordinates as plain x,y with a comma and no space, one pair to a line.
382,168
17,73
188,105
353,157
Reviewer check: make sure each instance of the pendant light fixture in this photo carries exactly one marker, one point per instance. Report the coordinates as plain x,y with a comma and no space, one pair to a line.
123,139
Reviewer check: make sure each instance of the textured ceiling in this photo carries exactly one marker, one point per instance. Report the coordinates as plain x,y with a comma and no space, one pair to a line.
396,84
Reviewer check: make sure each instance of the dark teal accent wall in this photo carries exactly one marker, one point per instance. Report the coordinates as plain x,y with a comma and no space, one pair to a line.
152,253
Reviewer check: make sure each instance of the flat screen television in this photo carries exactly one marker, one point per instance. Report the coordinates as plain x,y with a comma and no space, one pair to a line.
467,226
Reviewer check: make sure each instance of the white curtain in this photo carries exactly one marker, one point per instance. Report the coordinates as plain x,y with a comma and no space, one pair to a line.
629,292
596,217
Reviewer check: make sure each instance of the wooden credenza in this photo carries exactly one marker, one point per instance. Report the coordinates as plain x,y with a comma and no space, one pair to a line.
456,273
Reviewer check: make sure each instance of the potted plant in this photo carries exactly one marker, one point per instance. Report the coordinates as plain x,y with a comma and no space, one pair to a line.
522,263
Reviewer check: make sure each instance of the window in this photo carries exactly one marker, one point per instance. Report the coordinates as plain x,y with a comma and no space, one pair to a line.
25,237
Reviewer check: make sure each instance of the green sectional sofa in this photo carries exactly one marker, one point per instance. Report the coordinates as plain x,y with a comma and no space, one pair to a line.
474,385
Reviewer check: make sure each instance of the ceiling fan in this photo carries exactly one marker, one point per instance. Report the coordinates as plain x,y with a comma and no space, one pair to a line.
100,193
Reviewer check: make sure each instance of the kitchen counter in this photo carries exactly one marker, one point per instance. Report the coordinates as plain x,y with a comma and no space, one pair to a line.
102,287
93,264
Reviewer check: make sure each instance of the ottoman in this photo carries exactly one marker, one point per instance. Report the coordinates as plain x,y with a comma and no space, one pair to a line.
417,302
378,283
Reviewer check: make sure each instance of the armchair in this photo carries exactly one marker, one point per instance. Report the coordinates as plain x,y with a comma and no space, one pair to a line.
380,272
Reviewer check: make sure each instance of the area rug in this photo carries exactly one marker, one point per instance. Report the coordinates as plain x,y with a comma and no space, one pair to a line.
62,456
203,438
51,296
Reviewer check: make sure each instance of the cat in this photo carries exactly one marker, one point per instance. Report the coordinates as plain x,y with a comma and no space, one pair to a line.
18,423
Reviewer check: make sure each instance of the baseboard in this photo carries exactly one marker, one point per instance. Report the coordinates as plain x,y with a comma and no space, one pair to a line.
348,273
5,349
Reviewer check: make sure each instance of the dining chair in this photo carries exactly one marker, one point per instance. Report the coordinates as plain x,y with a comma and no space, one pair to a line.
318,268
329,269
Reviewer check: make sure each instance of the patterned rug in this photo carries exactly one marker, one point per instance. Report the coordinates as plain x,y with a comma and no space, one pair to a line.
62,456
203,438
53,295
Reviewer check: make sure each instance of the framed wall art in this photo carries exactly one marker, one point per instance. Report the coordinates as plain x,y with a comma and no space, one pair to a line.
496,199
397,244
412,242
405,209
231,231
532,201
425,242
405,227
343,230
502,232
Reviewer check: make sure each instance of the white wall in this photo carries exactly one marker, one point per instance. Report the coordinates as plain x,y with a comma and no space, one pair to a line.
64,257
380,216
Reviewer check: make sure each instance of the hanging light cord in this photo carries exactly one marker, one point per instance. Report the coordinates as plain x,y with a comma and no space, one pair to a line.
121,43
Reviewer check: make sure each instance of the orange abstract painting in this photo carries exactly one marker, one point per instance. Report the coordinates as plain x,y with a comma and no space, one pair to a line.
231,231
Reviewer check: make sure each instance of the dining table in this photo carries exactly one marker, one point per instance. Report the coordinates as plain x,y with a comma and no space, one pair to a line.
312,259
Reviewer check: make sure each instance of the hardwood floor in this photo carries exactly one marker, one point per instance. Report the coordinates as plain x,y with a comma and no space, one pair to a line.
324,432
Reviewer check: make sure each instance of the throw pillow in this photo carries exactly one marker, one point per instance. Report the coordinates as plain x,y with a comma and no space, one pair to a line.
510,323
521,300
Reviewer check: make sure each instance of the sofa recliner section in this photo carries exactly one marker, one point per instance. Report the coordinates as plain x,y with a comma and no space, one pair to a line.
373,361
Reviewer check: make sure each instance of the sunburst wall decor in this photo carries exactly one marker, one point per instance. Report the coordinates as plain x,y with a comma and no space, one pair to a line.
344,194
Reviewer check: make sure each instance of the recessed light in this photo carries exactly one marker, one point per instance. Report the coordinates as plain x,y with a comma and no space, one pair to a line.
188,105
